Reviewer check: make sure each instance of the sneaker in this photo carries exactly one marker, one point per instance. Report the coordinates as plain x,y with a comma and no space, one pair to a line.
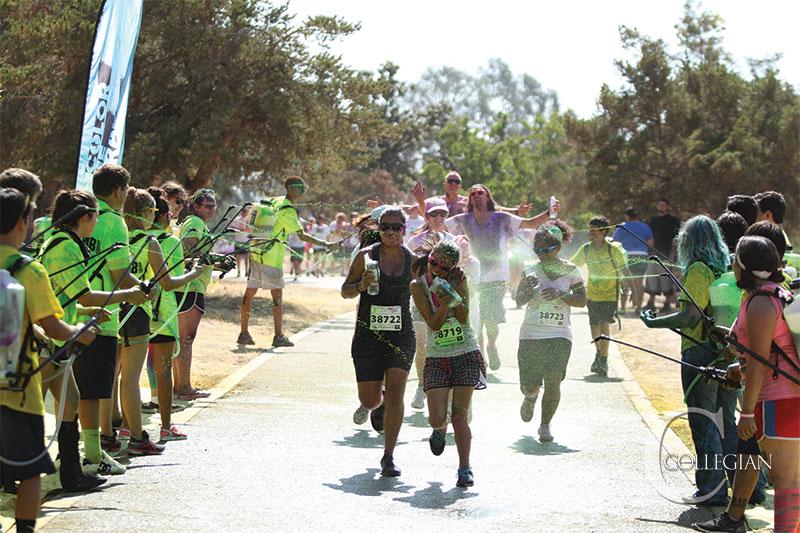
526,409
544,433
83,483
465,478
171,434
602,366
388,468
149,408
280,341
437,441
194,394
419,399
124,433
144,446
723,502
110,445
106,467
595,368
722,522
361,414
376,418
494,359
245,338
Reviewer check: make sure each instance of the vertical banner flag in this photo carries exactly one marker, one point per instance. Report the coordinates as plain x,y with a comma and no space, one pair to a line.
108,86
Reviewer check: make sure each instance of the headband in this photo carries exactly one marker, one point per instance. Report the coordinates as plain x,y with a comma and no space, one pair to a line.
760,274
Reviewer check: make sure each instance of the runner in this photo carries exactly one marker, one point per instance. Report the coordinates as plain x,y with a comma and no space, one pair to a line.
273,220
454,364
605,263
770,419
202,208
383,343
22,413
489,232
68,260
550,288
665,228
703,257
637,256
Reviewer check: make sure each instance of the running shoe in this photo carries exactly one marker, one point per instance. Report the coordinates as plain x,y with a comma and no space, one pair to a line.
388,468
526,409
144,446
111,444
245,338
361,414
544,433
596,361
465,478
171,434
602,366
124,433
376,418
437,441
194,394
280,341
419,399
84,482
494,359
722,522
149,407
106,467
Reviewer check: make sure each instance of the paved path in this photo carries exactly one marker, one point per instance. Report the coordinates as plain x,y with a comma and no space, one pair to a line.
279,452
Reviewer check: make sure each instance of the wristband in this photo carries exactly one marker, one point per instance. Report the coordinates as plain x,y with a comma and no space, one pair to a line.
747,415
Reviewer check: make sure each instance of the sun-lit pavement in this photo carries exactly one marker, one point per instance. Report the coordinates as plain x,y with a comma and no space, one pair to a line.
280,452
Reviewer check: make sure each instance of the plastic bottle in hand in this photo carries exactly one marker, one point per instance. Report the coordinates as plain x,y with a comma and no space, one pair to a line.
529,276
552,208
370,265
442,286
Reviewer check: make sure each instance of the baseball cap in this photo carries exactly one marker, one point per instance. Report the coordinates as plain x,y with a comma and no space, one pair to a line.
435,204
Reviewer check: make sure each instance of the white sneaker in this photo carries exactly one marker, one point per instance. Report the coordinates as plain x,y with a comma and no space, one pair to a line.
526,409
361,415
107,466
419,399
544,433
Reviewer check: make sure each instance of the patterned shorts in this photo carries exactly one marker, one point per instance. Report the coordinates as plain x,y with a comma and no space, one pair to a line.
465,370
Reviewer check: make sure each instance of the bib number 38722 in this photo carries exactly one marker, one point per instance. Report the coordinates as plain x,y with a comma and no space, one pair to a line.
385,318
451,333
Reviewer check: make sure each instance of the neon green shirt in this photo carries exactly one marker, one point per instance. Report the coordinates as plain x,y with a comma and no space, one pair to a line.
277,221
194,228
165,317
604,267
59,252
141,265
697,282
110,229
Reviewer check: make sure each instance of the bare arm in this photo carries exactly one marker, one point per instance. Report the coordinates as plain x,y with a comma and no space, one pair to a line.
760,327
358,279
536,221
61,331
433,320
158,265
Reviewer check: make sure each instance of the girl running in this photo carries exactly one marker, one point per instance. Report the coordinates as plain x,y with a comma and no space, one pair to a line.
383,343
454,359
550,288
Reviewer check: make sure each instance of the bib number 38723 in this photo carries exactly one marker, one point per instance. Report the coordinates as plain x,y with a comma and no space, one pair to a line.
550,315
385,318
451,333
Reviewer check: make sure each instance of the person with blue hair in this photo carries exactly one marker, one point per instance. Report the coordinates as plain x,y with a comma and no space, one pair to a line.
703,257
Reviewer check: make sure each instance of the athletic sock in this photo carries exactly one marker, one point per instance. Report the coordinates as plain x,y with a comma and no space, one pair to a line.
787,509
91,444
25,526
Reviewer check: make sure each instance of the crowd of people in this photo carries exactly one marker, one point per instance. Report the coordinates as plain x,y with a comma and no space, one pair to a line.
117,280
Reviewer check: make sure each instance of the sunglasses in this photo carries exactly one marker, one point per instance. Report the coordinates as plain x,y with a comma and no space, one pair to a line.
301,187
397,227
438,214
151,209
451,180
436,264
545,250
478,192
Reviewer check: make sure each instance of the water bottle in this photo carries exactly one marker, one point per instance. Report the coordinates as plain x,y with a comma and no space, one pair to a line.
12,311
725,298
552,209
441,287
370,265
792,315
529,272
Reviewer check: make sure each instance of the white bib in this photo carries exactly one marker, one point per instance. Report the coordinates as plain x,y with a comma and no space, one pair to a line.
385,318
550,315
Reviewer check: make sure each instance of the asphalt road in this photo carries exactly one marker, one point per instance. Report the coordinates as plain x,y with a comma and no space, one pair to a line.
279,452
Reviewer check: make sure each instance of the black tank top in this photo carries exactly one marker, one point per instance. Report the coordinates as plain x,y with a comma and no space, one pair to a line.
394,290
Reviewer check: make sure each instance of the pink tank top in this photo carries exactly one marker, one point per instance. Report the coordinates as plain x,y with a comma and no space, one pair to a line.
772,388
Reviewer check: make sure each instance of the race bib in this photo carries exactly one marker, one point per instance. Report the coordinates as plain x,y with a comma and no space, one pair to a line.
550,315
385,318
451,333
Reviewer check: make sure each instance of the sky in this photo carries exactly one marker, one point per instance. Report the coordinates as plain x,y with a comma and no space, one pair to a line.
569,46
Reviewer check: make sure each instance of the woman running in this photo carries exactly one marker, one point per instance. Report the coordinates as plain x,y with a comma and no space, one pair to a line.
383,343
454,359
550,288
140,209
202,208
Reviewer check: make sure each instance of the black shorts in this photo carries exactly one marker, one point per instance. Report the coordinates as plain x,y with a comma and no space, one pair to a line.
94,368
540,358
137,325
22,439
162,339
193,299
601,312
297,253
748,447
372,367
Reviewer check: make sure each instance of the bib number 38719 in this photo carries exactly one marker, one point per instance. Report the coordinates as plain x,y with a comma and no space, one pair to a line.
451,333
385,318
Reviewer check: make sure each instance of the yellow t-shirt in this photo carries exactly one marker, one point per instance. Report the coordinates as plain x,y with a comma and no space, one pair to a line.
697,282
40,302
604,266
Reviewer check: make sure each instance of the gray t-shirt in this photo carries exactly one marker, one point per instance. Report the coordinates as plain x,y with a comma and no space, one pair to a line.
489,242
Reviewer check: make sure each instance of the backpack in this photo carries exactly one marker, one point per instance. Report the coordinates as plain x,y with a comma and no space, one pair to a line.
262,219
27,337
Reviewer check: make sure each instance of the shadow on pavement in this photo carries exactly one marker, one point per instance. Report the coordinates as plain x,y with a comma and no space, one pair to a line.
432,496
417,420
594,378
362,439
491,378
367,484
59,494
527,445
154,465
686,519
